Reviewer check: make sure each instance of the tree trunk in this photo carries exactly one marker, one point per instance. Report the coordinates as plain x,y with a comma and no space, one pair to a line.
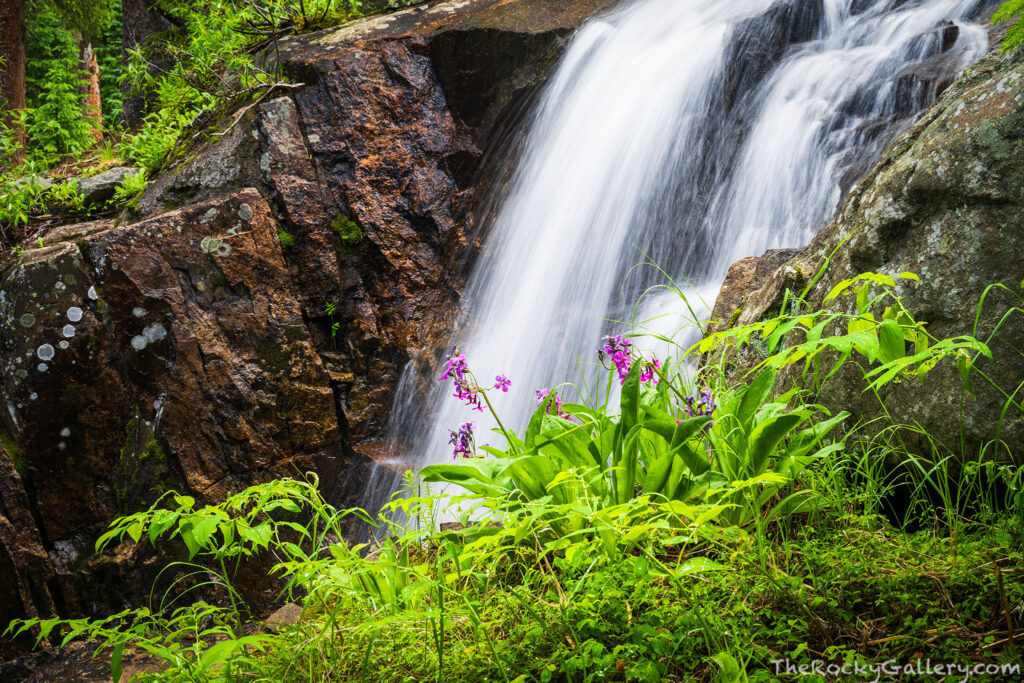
12,50
139,20
93,105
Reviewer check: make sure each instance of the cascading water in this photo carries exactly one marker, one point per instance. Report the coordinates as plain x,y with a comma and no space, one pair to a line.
693,132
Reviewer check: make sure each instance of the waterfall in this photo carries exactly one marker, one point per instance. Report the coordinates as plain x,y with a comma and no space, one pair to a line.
692,132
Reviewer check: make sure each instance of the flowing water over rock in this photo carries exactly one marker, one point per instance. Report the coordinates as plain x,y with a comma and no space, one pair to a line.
690,134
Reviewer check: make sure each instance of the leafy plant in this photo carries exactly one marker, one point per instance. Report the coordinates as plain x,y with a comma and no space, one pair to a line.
21,195
348,232
1011,12
55,125
131,188
330,308
65,197
698,531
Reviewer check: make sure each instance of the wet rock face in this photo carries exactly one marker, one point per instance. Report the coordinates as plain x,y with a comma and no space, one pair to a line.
382,137
252,318
163,354
26,568
947,203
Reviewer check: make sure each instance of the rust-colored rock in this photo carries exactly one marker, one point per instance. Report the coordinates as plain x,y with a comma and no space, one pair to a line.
166,354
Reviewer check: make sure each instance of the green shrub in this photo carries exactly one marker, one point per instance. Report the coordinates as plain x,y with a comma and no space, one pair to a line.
54,76
131,188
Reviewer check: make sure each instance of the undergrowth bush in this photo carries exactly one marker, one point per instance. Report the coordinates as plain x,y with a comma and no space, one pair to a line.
1011,12
698,530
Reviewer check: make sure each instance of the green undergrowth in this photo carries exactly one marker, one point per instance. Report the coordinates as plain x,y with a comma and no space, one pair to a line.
1011,12
848,588
667,527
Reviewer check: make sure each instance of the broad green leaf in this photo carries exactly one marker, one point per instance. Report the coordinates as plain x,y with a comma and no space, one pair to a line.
891,345
698,565
964,366
469,477
190,543
259,535
135,531
863,298
531,474
756,394
630,398
767,435
657,473
160,522
202,531
115,662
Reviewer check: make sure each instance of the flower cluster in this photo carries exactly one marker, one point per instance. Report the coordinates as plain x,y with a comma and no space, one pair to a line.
465,444
467,390
619,350
650,371
702,405
556,403
455,367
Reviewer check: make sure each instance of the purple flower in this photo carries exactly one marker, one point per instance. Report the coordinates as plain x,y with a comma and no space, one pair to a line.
502,382
542,396
703,406
618,349
465,444
650,372
614,345
464,392
454,365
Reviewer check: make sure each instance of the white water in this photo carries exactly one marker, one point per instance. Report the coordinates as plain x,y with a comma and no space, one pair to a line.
656,136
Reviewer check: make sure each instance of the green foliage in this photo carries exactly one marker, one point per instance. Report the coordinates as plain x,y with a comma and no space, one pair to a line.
10,444
108,54
65,197
330,308
55,125
90,17
1011,12
131,188
210,65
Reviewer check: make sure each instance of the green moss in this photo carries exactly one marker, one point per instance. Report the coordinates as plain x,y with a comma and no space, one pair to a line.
10,445
286,239
273,356
142,467
348,232
735,316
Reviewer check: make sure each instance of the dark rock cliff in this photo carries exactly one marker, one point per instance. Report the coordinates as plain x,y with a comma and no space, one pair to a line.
251,319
